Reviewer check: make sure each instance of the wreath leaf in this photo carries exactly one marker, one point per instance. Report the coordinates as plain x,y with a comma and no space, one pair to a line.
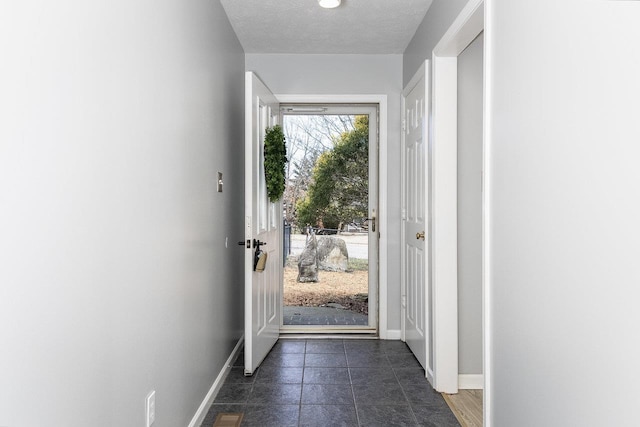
275,157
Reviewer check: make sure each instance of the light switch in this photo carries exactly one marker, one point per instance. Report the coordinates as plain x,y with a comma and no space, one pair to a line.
220,182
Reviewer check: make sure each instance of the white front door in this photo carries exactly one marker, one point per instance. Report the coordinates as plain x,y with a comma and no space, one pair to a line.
415,250
263,230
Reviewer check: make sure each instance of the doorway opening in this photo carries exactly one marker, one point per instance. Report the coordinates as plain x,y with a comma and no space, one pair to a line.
330,204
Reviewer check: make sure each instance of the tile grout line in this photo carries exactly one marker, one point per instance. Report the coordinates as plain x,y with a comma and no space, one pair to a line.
404,393
353,394
304,368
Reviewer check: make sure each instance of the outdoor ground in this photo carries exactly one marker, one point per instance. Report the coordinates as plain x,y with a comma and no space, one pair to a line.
347,289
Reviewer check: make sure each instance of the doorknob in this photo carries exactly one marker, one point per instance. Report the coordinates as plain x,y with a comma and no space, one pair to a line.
420,235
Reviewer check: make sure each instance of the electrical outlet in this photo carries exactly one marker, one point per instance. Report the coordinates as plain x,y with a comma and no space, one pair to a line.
150,408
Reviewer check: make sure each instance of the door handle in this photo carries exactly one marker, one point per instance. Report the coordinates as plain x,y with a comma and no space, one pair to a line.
373,222
256,243
420,235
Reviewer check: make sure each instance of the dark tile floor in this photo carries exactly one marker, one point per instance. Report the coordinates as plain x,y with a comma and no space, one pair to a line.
333,383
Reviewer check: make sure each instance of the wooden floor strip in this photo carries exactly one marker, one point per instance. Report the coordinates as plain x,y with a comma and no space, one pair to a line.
466,406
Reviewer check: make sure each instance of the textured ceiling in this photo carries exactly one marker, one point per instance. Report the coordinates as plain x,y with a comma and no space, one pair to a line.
302,26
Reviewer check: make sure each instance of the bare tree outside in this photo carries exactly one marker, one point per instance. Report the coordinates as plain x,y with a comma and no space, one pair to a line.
308,136
339,190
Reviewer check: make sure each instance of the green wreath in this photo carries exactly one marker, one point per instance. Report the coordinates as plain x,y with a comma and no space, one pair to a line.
275,157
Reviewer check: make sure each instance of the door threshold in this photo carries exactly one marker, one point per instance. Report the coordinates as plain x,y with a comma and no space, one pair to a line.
323,330
328,336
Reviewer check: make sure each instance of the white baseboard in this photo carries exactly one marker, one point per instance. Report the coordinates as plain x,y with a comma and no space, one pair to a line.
197,419
392,334
471,381
430,376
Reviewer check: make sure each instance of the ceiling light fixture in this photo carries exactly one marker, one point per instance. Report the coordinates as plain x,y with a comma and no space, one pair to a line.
329,4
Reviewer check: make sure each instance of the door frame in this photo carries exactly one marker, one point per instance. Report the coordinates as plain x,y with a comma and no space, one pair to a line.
464,29
383,215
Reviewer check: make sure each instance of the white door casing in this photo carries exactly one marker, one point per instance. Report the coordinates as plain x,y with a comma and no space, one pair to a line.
263,223
464,29
415,250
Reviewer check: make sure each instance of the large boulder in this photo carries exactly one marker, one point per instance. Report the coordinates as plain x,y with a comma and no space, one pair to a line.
308,262
332,254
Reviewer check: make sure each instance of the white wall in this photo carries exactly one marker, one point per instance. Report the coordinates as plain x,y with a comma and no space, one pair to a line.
438,19
350,74
470,131
564,286
115,279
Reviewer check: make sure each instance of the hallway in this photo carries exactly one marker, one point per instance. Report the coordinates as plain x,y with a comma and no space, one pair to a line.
333,383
